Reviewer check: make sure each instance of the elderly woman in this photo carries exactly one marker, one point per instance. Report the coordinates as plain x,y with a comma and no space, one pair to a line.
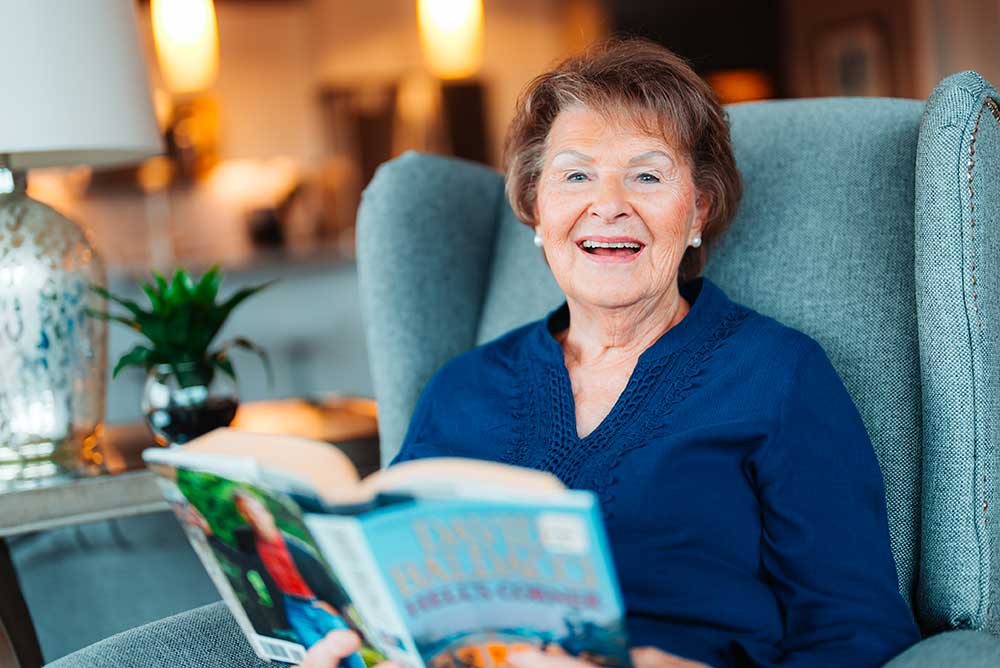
743,501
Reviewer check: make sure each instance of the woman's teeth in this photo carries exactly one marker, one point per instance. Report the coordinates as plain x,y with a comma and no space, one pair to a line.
616,244
610,248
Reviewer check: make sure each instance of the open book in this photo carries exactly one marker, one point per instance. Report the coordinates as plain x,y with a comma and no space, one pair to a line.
437,563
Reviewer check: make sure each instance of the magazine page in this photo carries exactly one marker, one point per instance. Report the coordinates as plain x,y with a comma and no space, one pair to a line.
265,564
476,579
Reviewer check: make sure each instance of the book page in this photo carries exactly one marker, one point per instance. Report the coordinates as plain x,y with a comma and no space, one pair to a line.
331,475
323,467
452,477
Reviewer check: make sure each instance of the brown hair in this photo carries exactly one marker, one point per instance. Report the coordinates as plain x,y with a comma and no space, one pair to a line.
637,80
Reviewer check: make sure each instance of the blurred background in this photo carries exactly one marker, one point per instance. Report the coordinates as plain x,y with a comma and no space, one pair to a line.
277,112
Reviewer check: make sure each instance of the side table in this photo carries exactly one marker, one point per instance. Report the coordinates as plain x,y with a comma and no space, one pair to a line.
123,487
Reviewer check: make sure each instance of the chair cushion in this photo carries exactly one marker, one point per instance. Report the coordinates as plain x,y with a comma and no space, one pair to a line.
968,649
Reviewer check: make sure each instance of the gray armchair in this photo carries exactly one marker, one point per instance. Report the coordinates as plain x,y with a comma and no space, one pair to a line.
869,224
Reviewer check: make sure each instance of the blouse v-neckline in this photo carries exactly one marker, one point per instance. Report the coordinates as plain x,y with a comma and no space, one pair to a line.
669,342
544,436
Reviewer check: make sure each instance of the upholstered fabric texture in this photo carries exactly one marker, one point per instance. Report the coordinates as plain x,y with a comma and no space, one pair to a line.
199,638
425,244
968,649
958,307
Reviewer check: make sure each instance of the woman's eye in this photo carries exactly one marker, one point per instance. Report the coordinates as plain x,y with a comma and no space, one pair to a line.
576,176
646,177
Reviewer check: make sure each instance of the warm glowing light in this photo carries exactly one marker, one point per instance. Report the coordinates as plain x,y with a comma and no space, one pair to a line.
187,43
741,85
451,32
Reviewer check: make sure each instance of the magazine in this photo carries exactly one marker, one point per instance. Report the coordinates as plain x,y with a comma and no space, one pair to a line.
436,563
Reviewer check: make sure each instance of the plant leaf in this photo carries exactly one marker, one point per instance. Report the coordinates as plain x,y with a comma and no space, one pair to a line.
161,284
101,315
138,356
155,301
220,313
208,287
241,294
134,308
247,344
222,361
180,288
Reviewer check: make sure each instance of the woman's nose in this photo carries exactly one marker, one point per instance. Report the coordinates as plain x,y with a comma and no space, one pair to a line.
610,202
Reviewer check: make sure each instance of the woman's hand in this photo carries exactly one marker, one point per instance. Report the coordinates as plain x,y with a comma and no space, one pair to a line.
642,657
328,652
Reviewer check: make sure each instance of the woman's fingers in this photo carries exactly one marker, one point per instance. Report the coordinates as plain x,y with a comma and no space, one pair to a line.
652,657
532,658
642,657
328,652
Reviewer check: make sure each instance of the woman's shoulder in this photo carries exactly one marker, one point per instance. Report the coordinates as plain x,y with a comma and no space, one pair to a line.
777,350
724,320
764,334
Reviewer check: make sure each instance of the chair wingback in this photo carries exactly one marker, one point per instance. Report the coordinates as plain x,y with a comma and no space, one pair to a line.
958,312
425,244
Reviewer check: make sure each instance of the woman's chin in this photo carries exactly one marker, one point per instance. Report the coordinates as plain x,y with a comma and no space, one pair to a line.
609,301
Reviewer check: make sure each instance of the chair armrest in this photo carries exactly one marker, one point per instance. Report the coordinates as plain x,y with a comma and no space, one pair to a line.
968,649
206,636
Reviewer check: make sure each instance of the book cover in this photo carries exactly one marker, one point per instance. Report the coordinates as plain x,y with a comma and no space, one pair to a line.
477,579
265,564
430,573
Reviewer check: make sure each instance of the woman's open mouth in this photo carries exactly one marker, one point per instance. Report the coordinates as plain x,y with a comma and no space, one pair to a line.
617,250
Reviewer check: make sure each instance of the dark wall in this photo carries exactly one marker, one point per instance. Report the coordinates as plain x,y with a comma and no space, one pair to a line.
712,34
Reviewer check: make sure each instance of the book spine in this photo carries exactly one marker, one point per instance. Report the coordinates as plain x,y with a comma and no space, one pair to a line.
346,548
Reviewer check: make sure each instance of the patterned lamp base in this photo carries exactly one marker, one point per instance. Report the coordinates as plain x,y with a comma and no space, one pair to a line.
52,355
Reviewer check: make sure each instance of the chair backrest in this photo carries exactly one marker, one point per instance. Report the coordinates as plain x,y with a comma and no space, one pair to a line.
824,241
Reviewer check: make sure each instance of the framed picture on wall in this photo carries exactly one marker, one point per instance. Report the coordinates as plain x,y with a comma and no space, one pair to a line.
852,58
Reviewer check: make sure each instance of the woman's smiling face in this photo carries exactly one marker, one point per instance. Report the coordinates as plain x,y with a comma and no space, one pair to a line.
616,209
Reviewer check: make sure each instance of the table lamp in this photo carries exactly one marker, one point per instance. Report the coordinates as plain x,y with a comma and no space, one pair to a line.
74,92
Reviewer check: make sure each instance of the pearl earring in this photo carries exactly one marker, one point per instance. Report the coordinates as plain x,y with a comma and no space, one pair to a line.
538,240
696,242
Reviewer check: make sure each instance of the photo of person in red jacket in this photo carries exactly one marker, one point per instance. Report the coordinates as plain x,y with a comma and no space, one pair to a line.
312,601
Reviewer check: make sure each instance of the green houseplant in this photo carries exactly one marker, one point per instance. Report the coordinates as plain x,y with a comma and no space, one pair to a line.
191,385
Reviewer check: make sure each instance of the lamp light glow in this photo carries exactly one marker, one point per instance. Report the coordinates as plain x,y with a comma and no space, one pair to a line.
186,36
451,33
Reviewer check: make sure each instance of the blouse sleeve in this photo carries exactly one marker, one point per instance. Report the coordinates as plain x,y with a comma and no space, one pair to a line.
825,537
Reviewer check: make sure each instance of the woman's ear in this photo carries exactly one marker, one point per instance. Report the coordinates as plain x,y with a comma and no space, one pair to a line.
702,204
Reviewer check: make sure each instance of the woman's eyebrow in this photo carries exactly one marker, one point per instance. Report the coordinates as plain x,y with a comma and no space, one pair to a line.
573,154
642,157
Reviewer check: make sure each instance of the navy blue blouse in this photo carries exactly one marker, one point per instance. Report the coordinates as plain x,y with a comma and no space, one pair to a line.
742,498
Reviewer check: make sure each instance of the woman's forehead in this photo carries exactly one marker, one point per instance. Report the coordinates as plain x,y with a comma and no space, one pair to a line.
578,128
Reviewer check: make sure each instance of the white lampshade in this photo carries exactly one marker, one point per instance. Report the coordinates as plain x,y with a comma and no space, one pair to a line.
73,86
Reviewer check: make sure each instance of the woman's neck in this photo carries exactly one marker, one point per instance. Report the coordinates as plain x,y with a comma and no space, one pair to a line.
598,335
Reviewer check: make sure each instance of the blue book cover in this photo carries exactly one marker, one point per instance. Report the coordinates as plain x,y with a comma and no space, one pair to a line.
430,574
